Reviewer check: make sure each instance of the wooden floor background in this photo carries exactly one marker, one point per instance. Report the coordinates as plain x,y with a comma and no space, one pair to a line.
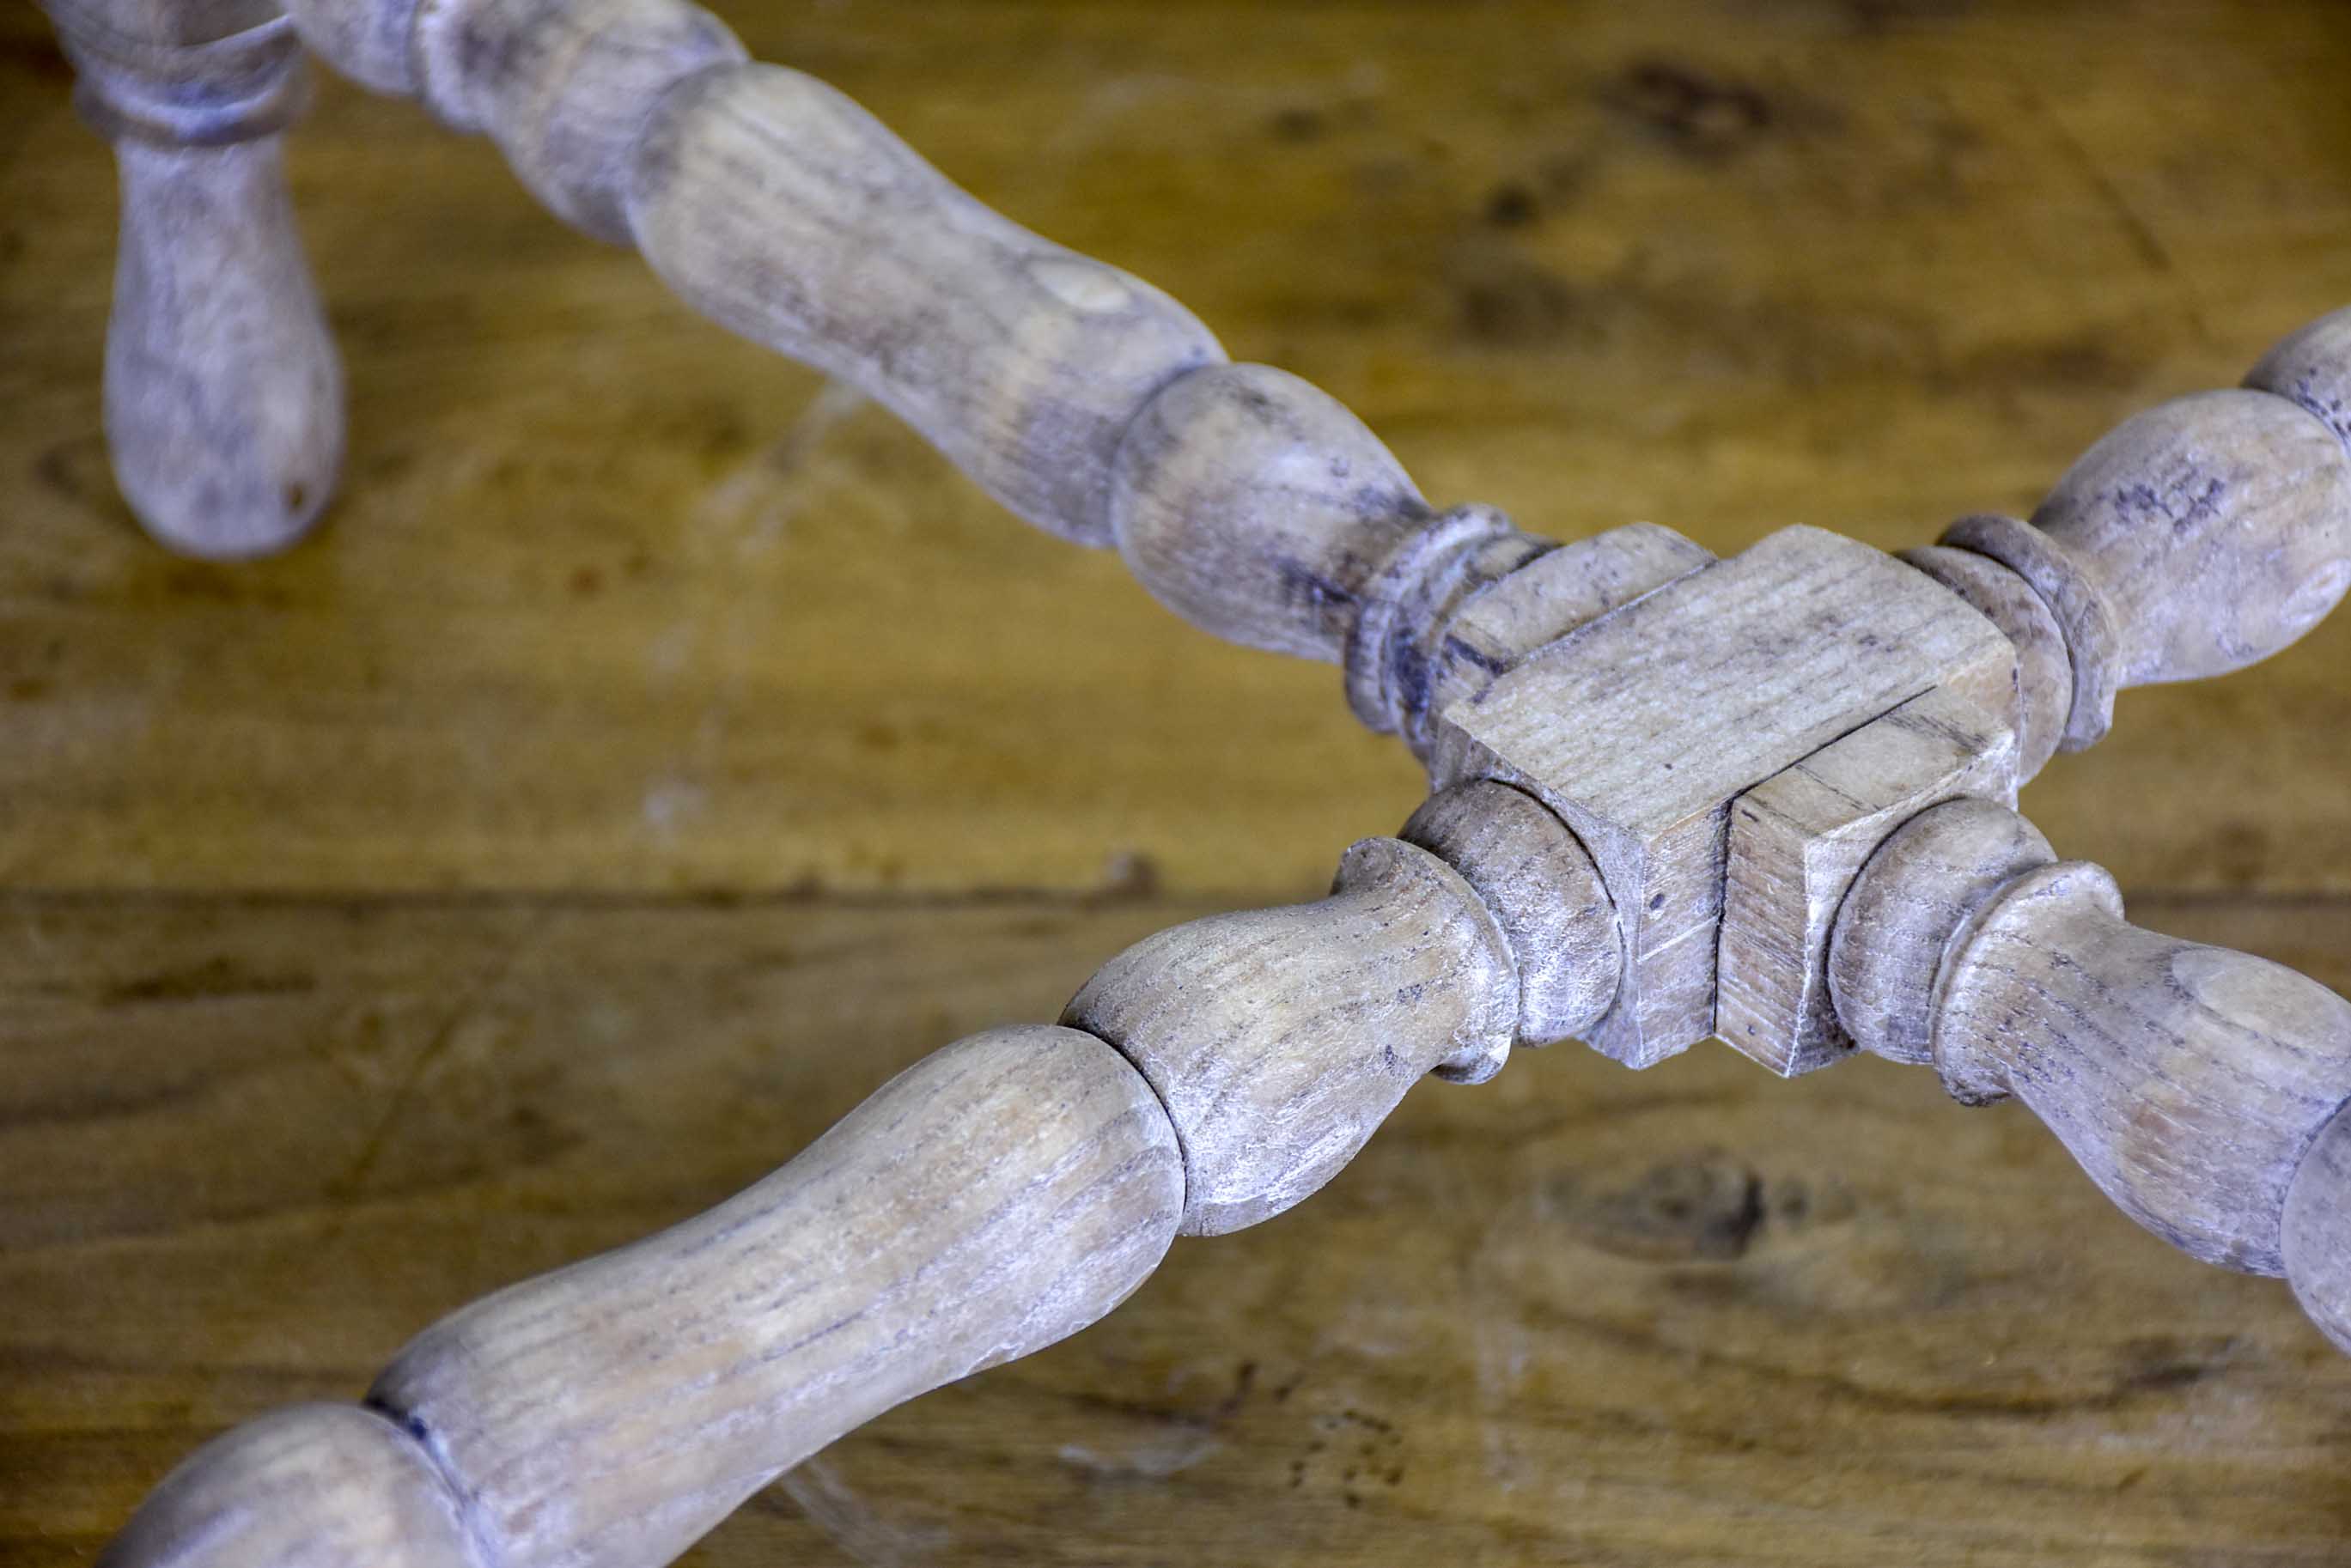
659,747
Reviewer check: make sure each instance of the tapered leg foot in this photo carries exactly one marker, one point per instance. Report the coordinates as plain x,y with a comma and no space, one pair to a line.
223,393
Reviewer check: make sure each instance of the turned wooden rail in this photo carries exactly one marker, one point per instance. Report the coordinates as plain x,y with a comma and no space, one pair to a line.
1767,799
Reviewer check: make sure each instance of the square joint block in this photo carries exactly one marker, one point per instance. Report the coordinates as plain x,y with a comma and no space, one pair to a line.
1797,841
1641,727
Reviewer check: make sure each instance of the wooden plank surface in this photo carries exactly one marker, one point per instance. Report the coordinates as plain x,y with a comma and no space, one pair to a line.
657,748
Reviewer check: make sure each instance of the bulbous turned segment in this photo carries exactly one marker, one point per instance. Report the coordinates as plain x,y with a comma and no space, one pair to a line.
2187,1080
1259,508
995,1197
311,1486
1544,892
2218,526
2317,1230
1916,891
1280,1039
784,212
2311,366
223,393
2196,538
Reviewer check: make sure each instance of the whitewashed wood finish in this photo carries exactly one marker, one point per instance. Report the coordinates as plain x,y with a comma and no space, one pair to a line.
2187,1080
1640,729
2075,601
997,1195
2315,1230
1541,601
1798,840
1281,1039
1683,795
2044,670
1259,509
2218,526
224,399
1544,893
2312,366
783,211
310,1485
564,88
1393,655
2196,538
1918,889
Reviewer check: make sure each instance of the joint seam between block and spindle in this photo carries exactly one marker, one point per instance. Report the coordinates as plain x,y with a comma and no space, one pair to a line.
2073,599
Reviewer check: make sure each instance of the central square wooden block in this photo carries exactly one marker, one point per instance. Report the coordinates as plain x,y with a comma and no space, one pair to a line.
1642,728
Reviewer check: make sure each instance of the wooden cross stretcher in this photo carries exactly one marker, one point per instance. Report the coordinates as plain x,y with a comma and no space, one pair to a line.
1768,799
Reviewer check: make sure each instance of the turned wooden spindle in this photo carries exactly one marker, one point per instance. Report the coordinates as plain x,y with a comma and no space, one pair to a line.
224,399
1085,400
1765,798
310,1485
2189,1081
993,1198
997,1197
2199,537
1281,1039
784,212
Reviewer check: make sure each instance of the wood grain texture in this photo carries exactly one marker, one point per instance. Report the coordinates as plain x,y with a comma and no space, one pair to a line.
1577,1314
611,600
2315,1228
1258,509
304,1485
1640,729
1797,840
2217,527
1543,892
2190,1080
997,1195
782,210
2045,669
564,90
1281,1039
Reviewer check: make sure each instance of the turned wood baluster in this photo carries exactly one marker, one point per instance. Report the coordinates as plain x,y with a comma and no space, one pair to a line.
783,211
995,1197
2204,1091
2191,1082
2199,537
222,392
1083,399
